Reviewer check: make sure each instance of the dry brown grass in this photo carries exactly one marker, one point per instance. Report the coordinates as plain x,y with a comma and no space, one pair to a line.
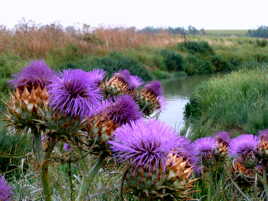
31,40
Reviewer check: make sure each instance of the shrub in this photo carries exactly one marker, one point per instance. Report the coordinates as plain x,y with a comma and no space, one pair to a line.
238,101
260,57
201,47
261,32
111,63
159,75
173,61
197,65
261,43
64,56
220,63
9,64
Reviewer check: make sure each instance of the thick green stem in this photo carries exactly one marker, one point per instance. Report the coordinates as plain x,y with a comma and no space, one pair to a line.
37,146
43,161
87,179
45,181
70,179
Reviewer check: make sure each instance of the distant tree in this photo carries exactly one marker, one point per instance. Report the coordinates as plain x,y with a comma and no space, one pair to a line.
261,32
193,31
173,30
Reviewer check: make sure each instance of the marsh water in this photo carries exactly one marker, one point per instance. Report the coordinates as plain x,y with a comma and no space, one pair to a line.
177,93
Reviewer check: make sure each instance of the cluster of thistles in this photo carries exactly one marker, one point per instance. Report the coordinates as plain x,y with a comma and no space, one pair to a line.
78,107
104,115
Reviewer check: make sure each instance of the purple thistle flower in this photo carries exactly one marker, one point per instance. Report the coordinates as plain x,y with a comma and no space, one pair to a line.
223,136
242,145
132,80
155,88
182,141
205,147
97,75
37,73
123,110
74,93
184,148
67,147
5,190
263,134
136,81
144,143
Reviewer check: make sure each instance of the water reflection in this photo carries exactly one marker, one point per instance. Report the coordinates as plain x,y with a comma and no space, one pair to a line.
177,93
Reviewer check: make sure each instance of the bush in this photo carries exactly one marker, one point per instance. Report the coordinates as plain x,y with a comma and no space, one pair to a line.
111,63
9,64
261,32
260,57
159,75
220,64
200,47
64,56
261,43
173,61
238,101
197,65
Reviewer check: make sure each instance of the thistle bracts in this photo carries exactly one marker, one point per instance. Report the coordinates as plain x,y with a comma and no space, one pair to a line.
223,141
150,98
26,108
120,83
243,150
174,181
155,171
107,117
263,143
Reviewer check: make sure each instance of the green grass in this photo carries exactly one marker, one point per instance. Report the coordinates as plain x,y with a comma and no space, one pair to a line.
227,32
236,102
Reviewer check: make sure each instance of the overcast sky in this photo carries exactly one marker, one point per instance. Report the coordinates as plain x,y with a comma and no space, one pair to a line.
208,14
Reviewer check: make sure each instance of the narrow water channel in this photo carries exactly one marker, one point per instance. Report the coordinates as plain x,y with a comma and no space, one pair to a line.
177,93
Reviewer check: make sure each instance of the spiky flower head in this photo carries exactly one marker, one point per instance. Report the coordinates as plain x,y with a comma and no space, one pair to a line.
121,82
5,190
244,151
205,147
184,149
181,161
97,75
154,87
122,110
150,98
24,107
173,182
36,74
242,145
223,136
263,143
144,144
223,140
131,80
74,93
106,118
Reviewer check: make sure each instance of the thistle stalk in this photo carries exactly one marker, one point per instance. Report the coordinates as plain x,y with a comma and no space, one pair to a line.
87,179
43,161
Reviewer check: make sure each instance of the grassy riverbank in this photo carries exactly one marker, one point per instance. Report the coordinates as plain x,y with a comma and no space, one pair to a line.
236,102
